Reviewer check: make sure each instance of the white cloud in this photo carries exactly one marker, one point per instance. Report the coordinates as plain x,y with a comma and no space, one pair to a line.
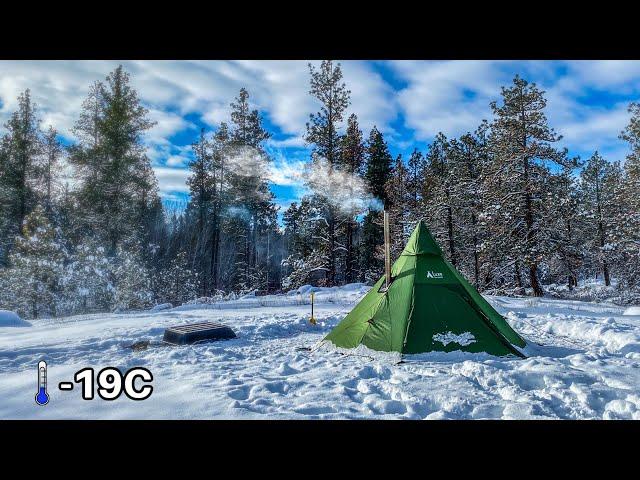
448,96
176,161
172,179
604,74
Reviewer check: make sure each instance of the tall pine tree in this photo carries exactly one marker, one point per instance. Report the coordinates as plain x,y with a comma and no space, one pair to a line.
522,145
328,88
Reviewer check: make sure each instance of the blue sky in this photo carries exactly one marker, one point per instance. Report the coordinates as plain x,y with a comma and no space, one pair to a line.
409,101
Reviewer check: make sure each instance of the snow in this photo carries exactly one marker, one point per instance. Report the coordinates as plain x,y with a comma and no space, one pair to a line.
632,311
162,306
584,363
11,319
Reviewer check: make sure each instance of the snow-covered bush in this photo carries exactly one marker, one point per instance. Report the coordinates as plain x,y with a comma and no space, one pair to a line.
302,270
177,283
88,280
32,284
132,282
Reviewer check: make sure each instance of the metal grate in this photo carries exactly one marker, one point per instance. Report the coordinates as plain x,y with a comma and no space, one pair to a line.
197,332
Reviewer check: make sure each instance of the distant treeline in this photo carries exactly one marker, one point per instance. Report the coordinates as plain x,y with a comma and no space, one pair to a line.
512,211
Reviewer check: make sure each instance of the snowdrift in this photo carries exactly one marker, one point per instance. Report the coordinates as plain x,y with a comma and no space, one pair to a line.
11,319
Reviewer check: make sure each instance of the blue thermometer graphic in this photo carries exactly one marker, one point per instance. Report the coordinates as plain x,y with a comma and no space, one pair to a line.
42,397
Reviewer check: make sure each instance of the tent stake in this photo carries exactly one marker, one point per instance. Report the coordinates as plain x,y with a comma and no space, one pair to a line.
312,320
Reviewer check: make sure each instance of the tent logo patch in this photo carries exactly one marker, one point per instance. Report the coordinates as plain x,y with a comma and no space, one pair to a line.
463,339
431,274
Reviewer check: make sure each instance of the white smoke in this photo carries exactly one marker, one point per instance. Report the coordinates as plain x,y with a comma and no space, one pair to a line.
238,212
346,191
246,161
343,190
249,162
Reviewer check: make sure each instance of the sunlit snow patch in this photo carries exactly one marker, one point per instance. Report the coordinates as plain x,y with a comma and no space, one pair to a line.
463,339
632,311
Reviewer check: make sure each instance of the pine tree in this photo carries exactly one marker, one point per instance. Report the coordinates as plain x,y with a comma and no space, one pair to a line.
399,200
378,171
219,151
439,195
33,280
599,191
201,186
415,169
20,151
567,256
322,133
116,180
132,281
304,262
522,144
179,283
378,165
252,204
52,150
352,162
88,285
628,219
466,157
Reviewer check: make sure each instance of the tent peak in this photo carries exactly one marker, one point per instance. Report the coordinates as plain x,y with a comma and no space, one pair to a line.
421,242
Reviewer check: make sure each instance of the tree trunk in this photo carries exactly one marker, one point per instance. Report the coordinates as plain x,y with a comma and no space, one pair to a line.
452,251
533,267
518,278
476,256
331,271
348,270
605,266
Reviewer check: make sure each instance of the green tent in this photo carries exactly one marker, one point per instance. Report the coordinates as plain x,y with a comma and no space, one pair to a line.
429,306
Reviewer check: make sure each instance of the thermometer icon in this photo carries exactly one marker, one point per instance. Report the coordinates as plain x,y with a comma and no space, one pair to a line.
42,397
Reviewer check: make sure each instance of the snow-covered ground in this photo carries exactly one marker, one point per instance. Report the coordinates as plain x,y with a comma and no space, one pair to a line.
587,367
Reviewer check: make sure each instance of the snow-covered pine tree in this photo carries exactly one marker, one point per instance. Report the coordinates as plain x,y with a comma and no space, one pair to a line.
378,170
328,88
32,284
178,282
132,280
115,174
201,191
439,196
522,146
415,170
304,263
52,155
566,258
599,190
466,156
628,219
20,150
5,200
219,150
251,208
351,161
88,280
399,202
